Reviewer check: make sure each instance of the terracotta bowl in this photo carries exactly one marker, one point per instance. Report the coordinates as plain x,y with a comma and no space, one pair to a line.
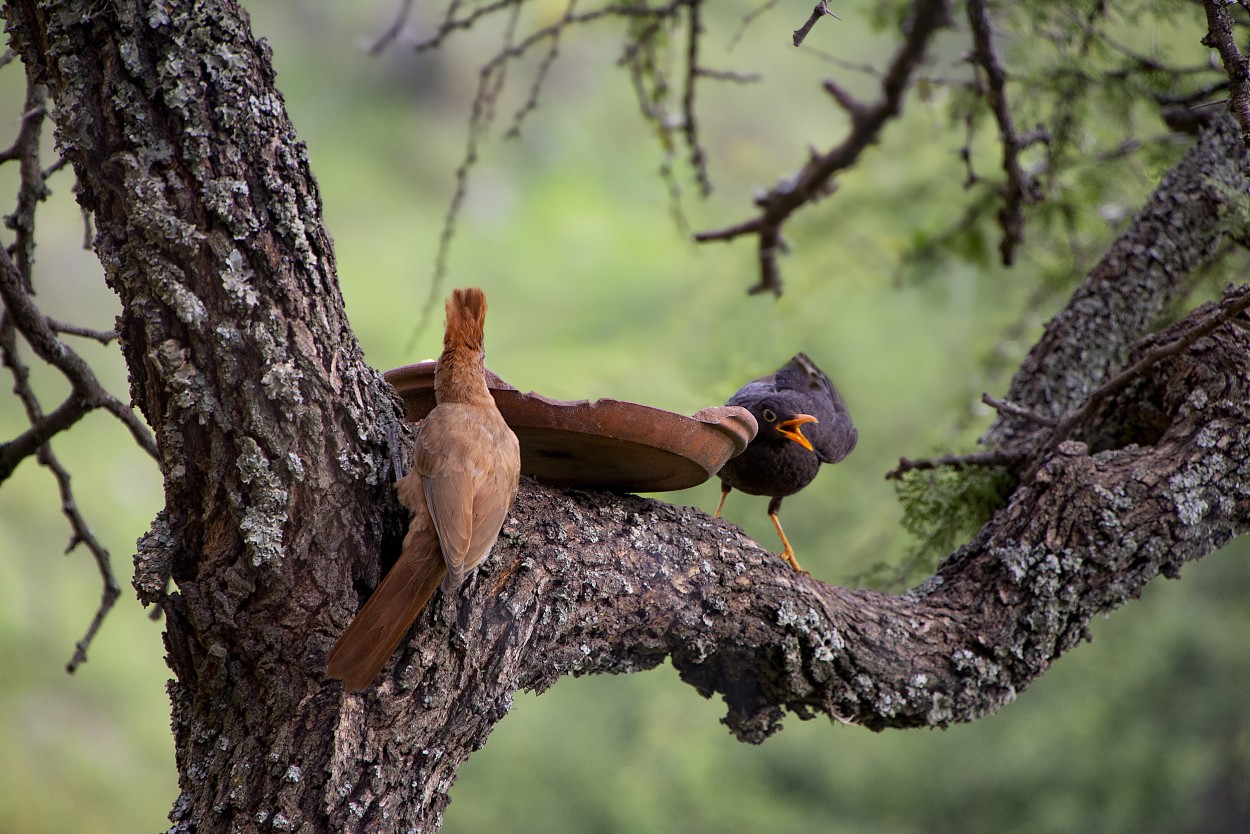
607,444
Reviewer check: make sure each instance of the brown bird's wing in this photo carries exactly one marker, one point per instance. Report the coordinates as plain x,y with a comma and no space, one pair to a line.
378,628
469,463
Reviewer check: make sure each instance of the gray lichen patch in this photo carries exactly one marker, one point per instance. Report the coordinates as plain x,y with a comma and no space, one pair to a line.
228,198
263,509
281,384
237,278
185,304
189,390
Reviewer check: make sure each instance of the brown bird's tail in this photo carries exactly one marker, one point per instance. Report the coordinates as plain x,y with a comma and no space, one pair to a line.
377,630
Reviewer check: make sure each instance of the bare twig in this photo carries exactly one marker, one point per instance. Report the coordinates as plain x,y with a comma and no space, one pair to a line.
1002,406
104,337
689,121
35,439
1220,37
492,76
1019,190
87,392
82,535
821,9
729,75
544,66
993,458
749,18
392,32
814,180
838,61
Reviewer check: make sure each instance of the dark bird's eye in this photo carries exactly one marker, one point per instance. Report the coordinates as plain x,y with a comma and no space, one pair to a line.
769,415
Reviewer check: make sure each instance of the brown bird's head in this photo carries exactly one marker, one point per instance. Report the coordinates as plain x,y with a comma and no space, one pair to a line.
466,318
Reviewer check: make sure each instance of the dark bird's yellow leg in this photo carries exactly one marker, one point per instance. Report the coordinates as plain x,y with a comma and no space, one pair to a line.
725,489
788,553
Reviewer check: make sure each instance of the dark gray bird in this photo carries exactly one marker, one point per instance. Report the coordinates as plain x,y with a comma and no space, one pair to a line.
803,422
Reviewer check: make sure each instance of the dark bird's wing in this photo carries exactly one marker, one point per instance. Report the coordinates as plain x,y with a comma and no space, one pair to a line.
801,382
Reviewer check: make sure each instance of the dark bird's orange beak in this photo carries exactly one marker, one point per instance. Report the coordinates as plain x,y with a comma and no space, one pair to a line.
791,429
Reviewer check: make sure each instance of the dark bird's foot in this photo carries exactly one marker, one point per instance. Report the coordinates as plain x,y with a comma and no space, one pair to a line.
773,507
788,553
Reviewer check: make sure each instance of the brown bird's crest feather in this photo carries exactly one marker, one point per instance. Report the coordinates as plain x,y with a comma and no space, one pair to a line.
466,319
459,376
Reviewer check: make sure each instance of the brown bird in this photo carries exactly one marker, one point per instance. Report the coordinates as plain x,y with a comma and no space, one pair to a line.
782,459
463,480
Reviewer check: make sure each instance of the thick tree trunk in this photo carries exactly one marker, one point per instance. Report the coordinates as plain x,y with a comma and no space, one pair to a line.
272,430
273,437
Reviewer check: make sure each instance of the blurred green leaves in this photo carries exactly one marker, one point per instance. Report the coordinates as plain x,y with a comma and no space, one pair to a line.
942,509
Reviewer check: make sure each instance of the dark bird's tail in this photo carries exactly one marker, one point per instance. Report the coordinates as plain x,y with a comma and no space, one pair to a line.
803,374
377,630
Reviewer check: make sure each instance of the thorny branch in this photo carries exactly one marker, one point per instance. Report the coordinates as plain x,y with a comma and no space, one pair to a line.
21,316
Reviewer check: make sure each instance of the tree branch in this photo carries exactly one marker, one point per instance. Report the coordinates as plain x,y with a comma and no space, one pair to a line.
1179,230
820,10
814,180
88,393
588,583
991,458
1221,38
1019,188
82,535
1004,407
392,32
1201,323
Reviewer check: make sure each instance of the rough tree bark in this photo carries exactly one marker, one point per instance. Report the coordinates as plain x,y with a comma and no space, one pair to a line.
273,437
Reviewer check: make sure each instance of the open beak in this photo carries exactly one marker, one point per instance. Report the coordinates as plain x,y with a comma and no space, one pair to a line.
790,428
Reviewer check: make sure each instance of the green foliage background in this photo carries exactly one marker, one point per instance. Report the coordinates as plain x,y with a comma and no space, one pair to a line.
594,293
